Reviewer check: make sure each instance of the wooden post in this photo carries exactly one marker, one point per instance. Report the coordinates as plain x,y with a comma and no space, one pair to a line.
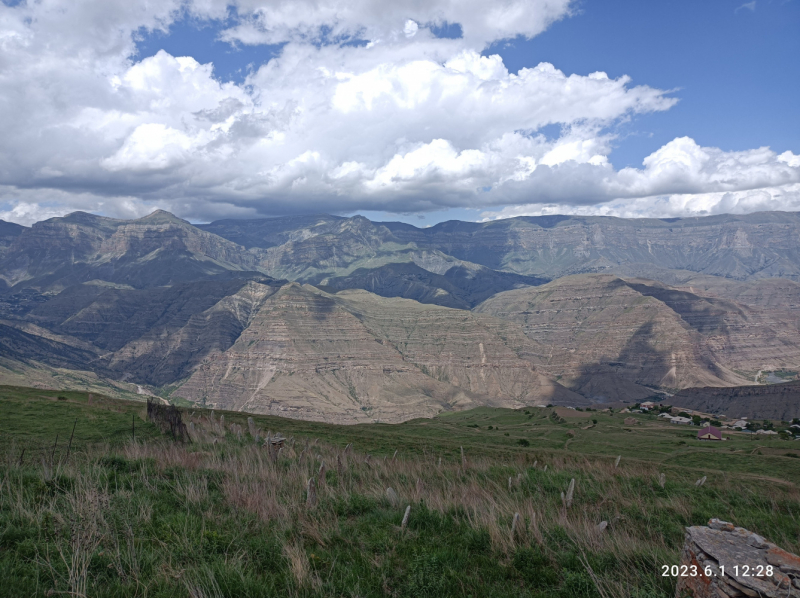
405,517
133,426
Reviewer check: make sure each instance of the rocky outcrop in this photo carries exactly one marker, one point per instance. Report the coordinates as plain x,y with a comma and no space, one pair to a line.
724,561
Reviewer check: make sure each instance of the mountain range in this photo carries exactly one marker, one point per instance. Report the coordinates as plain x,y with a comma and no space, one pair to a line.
347,320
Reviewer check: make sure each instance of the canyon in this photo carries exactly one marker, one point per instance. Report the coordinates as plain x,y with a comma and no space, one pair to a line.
346,320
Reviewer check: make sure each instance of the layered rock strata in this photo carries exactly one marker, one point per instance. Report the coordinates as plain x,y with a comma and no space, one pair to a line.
357,357
724,561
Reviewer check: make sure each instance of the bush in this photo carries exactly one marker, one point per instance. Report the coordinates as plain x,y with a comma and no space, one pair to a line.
523,442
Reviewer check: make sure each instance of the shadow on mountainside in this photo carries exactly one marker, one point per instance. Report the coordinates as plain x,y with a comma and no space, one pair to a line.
638,366
705,315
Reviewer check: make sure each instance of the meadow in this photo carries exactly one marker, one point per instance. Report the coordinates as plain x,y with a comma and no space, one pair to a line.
97,501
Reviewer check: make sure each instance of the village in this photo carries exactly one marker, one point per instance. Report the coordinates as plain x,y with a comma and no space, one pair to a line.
712,425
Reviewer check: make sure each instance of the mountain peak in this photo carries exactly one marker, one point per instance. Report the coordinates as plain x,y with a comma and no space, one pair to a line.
161,217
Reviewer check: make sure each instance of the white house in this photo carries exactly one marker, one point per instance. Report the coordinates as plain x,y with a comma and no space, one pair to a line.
665,416
766,432
742,423
680,420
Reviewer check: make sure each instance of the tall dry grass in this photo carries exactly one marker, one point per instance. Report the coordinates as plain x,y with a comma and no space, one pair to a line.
524,502
588,492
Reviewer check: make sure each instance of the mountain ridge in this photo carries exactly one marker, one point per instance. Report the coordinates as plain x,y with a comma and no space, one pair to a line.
342,318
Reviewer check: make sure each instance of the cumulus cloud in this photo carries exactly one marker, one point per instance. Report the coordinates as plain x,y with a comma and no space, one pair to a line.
402,123
481,22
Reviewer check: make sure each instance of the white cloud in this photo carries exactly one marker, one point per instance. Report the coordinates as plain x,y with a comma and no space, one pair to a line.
311,20
786,198
407,122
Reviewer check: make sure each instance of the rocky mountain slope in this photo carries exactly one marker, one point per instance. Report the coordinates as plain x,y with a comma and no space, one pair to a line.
357,357
461,286
754,246
775,401
460,314
644,332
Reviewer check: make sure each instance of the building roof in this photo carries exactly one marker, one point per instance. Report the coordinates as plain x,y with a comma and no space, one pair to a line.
715,432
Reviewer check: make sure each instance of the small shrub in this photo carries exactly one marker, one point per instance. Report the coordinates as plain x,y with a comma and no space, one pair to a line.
523,442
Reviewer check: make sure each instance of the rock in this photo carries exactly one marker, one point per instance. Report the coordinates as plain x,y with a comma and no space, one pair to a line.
785,561
405,517
720,525
740,553
756,541
311,493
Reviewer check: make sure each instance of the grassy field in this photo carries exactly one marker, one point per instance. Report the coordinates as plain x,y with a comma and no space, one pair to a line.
107,515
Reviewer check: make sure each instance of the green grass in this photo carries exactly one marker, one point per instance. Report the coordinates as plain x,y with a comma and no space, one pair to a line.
218,518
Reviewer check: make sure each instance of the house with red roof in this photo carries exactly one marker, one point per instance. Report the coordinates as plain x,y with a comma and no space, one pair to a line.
709,433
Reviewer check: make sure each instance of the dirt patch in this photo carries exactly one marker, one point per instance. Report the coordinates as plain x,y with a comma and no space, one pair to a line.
570,413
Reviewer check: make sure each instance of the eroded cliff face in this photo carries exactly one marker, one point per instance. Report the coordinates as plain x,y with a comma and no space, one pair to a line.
358,357
157,250
755,246
169,353
600,324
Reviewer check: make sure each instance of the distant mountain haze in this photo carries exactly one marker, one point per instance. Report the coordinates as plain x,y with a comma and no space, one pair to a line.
347,320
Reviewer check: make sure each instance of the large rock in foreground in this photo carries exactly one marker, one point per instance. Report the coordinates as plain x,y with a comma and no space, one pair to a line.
721,561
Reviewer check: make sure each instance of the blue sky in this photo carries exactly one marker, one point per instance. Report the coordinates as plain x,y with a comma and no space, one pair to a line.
733,66
283,111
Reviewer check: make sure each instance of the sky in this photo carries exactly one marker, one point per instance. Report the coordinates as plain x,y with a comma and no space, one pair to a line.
419,111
